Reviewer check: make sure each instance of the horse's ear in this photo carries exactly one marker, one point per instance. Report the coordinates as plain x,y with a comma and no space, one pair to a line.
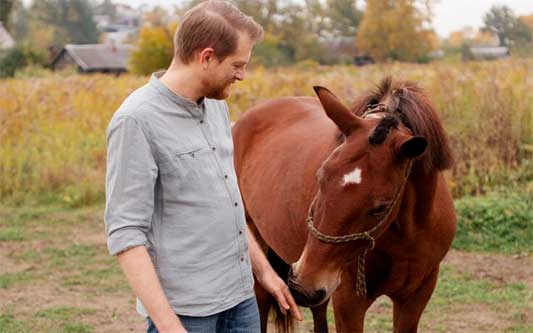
336,111
412,148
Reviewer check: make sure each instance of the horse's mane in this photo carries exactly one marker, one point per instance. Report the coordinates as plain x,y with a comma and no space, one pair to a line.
417,113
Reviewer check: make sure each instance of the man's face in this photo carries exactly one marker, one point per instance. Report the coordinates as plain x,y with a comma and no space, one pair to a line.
222,74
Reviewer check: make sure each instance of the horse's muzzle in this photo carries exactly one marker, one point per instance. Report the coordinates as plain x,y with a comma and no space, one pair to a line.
303,297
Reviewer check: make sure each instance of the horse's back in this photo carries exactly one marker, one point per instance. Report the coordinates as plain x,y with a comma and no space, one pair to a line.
276,115
279,144
279,125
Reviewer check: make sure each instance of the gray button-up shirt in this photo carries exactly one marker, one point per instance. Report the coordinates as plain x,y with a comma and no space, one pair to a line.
171,186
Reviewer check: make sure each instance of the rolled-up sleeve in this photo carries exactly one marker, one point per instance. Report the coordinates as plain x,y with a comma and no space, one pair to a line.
130,180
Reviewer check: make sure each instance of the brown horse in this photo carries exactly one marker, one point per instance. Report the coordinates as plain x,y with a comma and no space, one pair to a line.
325,191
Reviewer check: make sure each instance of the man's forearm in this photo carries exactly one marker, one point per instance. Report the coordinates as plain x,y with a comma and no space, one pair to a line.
141,275
260,264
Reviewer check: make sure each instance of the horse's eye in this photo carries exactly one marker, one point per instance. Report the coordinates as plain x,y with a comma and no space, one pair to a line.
379,210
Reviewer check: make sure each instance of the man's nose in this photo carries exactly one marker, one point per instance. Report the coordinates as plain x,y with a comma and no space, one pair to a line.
239,75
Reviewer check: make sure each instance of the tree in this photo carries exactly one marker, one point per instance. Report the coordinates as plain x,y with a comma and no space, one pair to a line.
345,17
156,17
270,52
501,21
70,20
523,36
296,36
18,22
108,8
527,20
5,10
456,39
483,37
18,58
154,50
393,30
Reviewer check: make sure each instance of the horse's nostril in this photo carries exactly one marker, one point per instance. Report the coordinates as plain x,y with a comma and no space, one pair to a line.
299,297
319,296
305,298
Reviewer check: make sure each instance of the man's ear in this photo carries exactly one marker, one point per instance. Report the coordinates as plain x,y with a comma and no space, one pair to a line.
206,56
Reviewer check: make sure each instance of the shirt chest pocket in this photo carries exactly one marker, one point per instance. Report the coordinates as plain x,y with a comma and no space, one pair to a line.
195,154
190,172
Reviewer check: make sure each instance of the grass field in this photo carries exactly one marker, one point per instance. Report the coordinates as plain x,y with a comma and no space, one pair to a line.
52,129
56,276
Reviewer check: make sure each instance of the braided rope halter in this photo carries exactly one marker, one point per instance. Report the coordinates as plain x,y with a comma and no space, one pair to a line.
360,283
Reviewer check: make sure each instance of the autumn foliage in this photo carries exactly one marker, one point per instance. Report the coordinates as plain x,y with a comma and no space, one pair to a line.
393,30
52,129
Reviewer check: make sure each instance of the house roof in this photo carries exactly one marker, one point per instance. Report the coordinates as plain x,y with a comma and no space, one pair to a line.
6,41
91,57
490,50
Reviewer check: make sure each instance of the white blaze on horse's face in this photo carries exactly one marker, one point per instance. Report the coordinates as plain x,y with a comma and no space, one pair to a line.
353,177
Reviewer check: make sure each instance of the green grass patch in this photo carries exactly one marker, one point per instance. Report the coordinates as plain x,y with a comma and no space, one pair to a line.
9,279
64,313
77,328
8,324
53,320
64,319
12,234
86,266
74,257
459,288
499,222
17,216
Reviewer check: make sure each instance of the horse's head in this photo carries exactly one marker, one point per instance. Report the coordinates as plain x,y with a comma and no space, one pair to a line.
360,185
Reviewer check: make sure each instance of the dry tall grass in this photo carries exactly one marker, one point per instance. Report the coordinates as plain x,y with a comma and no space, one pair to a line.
52,129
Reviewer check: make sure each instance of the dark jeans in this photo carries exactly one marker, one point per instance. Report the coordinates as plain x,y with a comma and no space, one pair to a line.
242,318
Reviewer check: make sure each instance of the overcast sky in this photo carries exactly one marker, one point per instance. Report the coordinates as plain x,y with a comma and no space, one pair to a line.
450,15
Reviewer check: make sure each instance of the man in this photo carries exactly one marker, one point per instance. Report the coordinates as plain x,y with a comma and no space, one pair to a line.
174,215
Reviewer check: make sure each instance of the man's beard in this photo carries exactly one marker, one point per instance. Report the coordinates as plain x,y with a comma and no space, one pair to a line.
218,91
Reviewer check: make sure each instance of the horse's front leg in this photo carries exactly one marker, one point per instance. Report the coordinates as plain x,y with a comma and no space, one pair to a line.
349,309
320,317
408,308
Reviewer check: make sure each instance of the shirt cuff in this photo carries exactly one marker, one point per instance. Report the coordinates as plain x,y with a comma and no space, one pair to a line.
123,239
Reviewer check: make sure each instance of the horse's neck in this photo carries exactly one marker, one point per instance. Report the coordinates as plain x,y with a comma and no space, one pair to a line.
417,202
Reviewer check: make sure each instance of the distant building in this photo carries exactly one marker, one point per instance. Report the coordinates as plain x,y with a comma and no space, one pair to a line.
120,26
90,58
489,52
6,41
343,49
436,54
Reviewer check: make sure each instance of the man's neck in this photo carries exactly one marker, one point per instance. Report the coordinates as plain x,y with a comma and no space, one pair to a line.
182,81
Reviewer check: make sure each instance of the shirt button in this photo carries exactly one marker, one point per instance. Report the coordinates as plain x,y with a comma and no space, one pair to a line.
240,232
214,148
236,204
201,121
242,259
226,176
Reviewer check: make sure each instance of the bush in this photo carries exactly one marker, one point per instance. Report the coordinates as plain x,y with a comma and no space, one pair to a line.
33,71
16,59
501,222
154,50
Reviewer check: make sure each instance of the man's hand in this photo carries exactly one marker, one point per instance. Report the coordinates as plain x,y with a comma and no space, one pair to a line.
272,283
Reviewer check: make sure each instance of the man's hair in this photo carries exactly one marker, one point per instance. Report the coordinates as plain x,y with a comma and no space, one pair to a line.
214,24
